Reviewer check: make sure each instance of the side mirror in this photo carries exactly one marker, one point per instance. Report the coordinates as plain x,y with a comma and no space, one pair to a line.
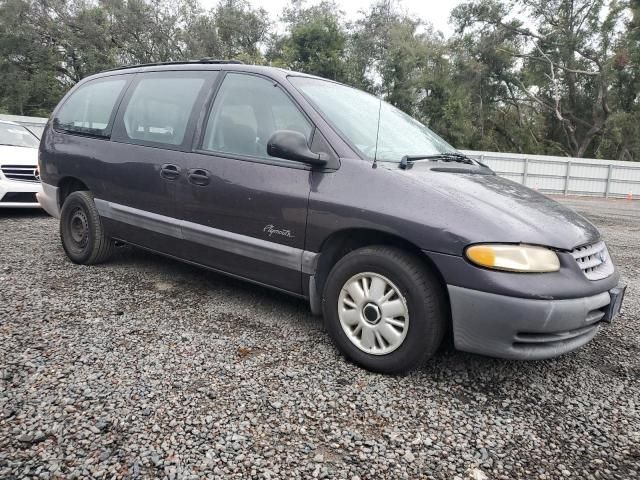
292,145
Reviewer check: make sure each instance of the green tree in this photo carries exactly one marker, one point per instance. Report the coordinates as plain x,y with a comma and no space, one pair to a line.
565,51
622,137
241,29
531,76
47,47
314,42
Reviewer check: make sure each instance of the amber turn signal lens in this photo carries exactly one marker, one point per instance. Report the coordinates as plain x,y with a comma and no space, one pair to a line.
514,258
482,255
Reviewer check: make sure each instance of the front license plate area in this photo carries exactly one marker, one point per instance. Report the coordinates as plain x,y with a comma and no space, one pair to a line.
613,309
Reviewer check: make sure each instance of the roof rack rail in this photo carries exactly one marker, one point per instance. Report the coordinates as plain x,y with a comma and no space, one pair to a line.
216,60
179,62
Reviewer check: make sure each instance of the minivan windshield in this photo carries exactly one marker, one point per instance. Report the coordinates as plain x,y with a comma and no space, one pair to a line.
377,129
17,136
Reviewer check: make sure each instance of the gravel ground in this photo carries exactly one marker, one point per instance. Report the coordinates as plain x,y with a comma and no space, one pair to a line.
145,367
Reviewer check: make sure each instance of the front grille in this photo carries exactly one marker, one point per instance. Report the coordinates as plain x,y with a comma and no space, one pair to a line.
19,197
594,260
23,173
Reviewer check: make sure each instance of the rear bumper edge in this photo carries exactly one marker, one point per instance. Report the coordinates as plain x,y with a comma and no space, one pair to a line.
48,199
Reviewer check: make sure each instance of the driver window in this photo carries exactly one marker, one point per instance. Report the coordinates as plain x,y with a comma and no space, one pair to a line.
245,114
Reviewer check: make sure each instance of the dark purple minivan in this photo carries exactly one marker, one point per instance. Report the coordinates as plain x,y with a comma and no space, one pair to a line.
325,192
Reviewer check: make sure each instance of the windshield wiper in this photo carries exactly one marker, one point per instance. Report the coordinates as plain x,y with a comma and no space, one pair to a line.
444,157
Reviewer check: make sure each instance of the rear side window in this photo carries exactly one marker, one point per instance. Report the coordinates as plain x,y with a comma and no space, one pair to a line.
89,109
159,109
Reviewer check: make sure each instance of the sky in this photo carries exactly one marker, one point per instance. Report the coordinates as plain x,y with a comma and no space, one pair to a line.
435,11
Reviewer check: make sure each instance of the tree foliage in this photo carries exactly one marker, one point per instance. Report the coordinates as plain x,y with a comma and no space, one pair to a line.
314,42
532,76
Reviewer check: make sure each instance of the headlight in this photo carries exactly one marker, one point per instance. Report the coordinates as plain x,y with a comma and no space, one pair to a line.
514,258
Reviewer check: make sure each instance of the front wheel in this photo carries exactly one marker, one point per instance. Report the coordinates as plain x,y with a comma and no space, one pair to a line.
384,309
81,231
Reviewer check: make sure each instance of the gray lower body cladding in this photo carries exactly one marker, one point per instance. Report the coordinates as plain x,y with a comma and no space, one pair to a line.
242,245
48,199
522,328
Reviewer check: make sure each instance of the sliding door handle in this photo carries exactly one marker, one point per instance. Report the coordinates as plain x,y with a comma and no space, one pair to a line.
198,176
169,171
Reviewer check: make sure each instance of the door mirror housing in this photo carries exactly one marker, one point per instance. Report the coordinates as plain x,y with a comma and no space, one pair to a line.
292,145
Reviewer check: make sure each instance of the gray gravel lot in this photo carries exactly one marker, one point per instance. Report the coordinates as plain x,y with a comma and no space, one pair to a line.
146,367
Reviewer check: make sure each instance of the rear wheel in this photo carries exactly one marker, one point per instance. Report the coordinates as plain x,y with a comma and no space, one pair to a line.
384,309
81,230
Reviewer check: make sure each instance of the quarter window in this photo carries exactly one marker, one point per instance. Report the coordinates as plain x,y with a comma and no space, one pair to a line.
246,112
89,109
159,109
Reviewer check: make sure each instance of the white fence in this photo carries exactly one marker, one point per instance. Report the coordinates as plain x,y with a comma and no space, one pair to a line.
566,176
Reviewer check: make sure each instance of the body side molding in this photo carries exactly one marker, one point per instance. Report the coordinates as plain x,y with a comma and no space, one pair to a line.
243,245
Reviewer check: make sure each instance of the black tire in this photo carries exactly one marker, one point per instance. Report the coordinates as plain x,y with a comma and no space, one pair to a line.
81,230
425,301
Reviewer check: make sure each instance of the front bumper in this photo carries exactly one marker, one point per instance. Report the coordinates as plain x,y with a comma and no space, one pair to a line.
18,194
523,328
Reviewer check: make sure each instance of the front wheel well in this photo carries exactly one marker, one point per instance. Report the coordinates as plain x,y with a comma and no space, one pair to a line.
341,243
67,186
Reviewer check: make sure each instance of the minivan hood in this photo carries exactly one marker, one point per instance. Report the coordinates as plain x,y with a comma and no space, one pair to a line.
10,155
489,208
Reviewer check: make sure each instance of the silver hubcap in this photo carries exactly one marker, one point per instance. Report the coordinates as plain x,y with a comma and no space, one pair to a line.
373,313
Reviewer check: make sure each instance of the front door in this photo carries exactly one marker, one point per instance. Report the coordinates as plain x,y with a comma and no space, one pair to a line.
245,212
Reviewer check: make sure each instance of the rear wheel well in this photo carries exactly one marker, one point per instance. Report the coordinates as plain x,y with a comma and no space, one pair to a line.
67,186
340,243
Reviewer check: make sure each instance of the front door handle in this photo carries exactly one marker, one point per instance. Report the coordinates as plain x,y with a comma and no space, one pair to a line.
198,176
169,171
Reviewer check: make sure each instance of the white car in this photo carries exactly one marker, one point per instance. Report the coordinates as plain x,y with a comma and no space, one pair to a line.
19,178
